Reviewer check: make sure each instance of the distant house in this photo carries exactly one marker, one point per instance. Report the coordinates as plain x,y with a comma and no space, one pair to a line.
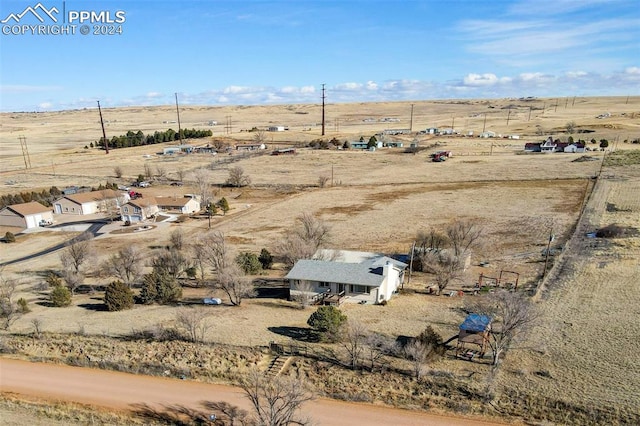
532,147
89,202
576,147
177,149
284,151
431,130
395,144
139,210
183,205
250,146
26,215
277,128
354,276
487,134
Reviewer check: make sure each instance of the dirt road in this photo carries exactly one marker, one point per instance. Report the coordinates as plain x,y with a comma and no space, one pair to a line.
122,391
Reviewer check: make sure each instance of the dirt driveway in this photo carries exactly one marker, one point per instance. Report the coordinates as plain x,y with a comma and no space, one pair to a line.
122,391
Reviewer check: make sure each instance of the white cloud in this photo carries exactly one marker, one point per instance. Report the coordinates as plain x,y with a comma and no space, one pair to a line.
45,105
632,71
487,79
26,88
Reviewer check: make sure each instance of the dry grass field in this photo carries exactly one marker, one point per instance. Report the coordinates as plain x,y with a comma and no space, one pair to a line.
582,354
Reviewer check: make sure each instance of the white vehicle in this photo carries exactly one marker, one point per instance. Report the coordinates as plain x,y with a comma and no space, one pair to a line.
144,184
212,301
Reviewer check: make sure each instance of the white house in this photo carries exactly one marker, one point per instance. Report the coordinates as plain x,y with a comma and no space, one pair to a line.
89,202
26,215
575,147
277,128
336,275
183,205
487,134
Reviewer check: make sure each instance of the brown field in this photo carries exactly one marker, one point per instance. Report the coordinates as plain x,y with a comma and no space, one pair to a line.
583,354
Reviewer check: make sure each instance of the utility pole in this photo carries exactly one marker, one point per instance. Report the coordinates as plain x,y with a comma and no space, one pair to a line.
453,122
323,98
227,125
332,175
25,152
411,120
178,113
574,101
104,135
546,258
413,249
529,118
508,116
484,126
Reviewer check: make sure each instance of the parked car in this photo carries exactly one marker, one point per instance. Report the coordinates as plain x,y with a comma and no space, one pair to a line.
144,184
176,183
44,222
212,301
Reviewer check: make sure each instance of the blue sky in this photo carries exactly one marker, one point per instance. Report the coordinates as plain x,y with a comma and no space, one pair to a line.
263,52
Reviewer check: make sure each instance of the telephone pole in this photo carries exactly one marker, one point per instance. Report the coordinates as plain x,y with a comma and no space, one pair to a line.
25,152
323,98
411,120
104,135
178,112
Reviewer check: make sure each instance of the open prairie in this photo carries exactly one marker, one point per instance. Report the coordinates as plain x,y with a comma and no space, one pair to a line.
583,352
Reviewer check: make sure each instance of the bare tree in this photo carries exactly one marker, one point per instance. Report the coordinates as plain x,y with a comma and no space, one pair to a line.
513,314
177,239
463,235
259,136
237,177
304,240
354,337
430,240
235,283
417,352
219,145
171,262
199,255
276,401
9,311
74,257
445,267
147,170
117,170
203,185
376,347
77,253
161,172
322,180
126,265
180,173
303,293
193,322
215,250
571,127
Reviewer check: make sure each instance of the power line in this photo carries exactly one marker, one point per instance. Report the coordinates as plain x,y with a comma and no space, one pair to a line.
323,98
104,135
25,152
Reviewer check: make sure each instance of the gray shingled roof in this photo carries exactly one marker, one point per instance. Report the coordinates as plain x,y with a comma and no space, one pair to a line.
367,273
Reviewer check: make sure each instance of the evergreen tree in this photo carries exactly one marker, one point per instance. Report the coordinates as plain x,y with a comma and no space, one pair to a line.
249,263
118,296
265,259
224,205
60,296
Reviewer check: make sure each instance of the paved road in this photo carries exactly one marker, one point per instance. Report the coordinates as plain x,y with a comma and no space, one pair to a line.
94,227
122,391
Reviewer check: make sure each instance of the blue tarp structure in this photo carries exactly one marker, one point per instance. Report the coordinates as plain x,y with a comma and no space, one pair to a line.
476,323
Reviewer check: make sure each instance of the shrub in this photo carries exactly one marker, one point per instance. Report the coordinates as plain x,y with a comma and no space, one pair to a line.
326,321
118,296
430,337
161,288
249,263
60,296
9,237
265,259
23,306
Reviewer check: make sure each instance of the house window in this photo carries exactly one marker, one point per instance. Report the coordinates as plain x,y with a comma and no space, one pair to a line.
324,284
359,289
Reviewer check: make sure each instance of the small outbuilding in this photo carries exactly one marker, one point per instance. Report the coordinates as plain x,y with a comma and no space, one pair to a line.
473,338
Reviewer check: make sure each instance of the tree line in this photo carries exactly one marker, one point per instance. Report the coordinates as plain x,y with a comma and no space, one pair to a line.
45,197
138,138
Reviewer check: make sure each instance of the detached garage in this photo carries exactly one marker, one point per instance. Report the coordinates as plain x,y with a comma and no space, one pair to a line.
26,215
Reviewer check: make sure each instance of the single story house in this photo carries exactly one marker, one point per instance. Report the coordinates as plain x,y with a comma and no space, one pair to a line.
89,202
139,209
277,128
250,146
431,130
26,215
335,275
532,147
177,149
394,144
183,205
487,134
576,147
